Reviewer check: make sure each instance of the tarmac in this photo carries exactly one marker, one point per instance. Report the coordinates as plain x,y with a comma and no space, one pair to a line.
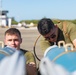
29,36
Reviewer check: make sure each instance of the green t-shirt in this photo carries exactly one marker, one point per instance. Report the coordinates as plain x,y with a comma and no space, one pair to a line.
70,30
29,56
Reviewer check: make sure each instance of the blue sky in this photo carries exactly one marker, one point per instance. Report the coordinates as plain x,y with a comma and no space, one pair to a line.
37,9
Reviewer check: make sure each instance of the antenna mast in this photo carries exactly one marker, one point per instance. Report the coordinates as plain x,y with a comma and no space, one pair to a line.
0,12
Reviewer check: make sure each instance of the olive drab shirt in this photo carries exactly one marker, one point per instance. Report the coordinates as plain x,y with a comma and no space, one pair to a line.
29,56
70,30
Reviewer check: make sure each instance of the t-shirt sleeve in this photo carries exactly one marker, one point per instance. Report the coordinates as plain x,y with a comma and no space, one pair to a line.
29,57
44,44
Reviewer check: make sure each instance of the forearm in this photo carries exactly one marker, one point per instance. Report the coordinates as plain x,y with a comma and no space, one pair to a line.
74,43
44,45
31,68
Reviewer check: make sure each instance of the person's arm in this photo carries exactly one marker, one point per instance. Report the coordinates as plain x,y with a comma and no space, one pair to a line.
29,57
30,64
44,44
74,42
72,34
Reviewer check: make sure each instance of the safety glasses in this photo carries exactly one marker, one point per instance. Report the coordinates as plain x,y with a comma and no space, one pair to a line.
50,37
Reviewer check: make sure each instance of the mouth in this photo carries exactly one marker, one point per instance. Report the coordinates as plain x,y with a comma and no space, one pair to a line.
53,40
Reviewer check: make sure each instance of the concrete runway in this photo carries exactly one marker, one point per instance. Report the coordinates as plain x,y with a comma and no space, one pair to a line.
29,36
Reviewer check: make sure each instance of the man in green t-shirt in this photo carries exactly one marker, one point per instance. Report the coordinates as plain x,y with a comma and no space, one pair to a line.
52,34
12,38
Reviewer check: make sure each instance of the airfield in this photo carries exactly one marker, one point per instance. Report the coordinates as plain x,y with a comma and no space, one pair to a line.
29,36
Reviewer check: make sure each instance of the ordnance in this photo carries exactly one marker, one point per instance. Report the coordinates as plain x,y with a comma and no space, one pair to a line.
64,55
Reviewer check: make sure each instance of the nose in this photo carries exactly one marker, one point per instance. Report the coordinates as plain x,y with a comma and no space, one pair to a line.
51,39
13,41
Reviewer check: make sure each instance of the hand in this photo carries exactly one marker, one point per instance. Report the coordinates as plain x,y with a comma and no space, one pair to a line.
31,68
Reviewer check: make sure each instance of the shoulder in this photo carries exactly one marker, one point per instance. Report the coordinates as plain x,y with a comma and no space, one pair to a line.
60,25
29,57
67,24
29,53
70,27
70,24
24,51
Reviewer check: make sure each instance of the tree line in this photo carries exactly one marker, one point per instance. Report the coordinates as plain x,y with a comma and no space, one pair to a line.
36,21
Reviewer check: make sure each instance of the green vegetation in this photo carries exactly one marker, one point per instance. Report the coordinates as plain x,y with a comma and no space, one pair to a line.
30,21
36,21
14,21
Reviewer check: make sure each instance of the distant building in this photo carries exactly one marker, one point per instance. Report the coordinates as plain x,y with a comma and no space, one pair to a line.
4,19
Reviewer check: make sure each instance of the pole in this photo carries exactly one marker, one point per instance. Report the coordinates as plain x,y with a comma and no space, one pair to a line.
0,12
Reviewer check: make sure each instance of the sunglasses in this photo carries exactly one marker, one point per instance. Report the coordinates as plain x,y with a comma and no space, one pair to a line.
51,36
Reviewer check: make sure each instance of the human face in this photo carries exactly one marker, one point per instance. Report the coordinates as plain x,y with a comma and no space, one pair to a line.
13,40
52,35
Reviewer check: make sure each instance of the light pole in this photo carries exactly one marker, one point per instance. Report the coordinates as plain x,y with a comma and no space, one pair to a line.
0,12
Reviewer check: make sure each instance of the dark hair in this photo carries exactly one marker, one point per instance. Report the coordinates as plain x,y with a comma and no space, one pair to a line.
12,31
45,25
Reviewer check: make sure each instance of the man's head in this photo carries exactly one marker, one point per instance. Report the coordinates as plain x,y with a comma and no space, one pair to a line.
47,28
45,25
13,38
